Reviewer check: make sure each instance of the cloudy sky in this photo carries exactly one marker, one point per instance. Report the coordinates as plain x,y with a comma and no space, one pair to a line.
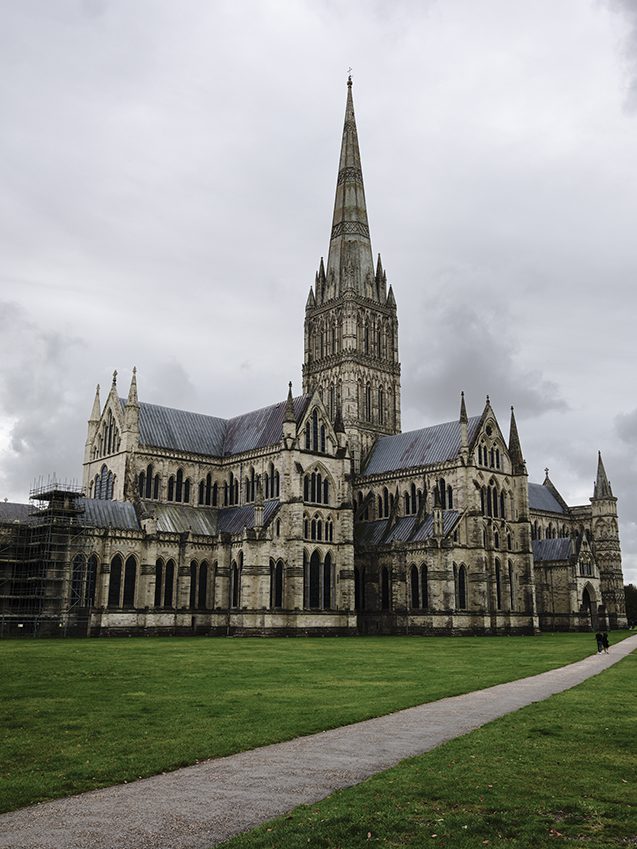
167,175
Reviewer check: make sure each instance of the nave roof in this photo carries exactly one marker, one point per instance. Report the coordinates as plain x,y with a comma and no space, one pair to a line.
195,433
415,448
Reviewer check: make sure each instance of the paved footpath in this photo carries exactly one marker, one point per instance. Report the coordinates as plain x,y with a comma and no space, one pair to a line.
200,806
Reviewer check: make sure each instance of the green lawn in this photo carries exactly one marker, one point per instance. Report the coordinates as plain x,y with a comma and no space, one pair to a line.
557,773
80,714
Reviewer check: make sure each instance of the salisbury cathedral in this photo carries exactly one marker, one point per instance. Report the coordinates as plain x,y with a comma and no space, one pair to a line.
316,515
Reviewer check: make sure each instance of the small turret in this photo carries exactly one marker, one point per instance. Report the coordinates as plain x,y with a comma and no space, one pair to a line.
96,411
93,425
339,429
289,419
602,488
311,300
258,505
131,415
438,522
464,428
515,449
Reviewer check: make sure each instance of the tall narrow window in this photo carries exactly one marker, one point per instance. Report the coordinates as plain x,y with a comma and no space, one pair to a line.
512,585
193,584
202,589
130,575
169,587
315,581
159,574
115,581
327,582
424,580
91,581
462,588
498,585
385,589
415,588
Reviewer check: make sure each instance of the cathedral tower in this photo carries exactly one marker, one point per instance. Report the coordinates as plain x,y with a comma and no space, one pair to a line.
351,326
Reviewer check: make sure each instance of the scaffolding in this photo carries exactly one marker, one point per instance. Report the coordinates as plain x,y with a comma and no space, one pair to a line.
43,576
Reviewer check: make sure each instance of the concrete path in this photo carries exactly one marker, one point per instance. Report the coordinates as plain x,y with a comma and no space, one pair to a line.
200,806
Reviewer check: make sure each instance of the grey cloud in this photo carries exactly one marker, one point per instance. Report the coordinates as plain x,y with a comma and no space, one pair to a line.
626,427
40,396
628,10
464,348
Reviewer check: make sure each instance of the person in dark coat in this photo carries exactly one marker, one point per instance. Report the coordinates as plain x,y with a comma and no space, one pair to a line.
600,642
605,642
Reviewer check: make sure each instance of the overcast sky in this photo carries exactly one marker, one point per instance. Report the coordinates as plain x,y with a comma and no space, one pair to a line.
167,176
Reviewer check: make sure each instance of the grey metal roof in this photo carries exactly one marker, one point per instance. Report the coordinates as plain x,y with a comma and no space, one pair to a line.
415,448
108,514
164,427
406,529
194,433
179,518
11,512
260,427
541,498
232,520
551,549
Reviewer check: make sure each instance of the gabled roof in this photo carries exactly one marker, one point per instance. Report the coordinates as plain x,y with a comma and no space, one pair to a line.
406,529
541,498
423,447
164,427
179,518
108,514
11,512
552,550
232,520
194,433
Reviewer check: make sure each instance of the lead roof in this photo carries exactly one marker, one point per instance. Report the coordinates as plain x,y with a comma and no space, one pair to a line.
406,529
416,448
552,549
195,433
541,498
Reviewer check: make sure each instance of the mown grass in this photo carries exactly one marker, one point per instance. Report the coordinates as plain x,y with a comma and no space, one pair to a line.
557,773
81,714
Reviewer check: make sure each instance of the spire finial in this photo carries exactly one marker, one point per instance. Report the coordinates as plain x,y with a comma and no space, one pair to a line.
488,401
546,471
115,378
349,77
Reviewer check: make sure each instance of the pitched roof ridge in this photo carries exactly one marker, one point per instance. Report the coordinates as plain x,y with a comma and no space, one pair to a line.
295,398
180,410
427,427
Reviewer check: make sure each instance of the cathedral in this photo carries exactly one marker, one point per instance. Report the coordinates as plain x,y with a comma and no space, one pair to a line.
316,515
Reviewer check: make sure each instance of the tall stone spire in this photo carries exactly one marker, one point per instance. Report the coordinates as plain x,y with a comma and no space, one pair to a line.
602,484
350,264
351,323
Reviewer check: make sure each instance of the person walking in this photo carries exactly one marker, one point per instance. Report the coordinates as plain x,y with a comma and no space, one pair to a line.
605,642
600,642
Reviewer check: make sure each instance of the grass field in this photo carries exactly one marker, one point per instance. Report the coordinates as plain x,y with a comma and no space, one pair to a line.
556,773
81,714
